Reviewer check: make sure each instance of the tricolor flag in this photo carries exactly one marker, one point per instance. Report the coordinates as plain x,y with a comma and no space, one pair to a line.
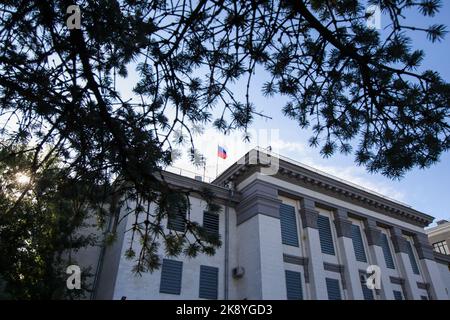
221,152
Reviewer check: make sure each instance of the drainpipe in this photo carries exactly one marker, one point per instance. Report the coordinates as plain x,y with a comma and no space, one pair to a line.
227,240
93,295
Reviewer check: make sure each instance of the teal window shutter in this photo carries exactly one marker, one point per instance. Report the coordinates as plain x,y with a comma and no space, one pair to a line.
294,285
398,295
176,221
288,222
333,289
209,281
171,272
367,293
211,222
326,238
387,252
358,244
412,258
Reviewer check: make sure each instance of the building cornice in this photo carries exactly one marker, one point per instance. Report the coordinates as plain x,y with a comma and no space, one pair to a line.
196,186
305,177
441,258
436,230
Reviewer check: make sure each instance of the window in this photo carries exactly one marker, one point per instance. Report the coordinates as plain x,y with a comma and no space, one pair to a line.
294,285
412,258
211,222
209,277
367,293
326,238
176,221
423,298
387,252
441,247
288,224
398,295
171,276
358,245
333,289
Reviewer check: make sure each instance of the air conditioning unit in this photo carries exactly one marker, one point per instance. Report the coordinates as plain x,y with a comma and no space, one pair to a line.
238,272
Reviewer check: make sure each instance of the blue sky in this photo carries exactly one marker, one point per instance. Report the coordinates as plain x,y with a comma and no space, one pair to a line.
426,190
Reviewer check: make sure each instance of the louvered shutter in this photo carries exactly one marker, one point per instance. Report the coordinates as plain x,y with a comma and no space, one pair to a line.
367,293
176,221
209,278
398,295
326,238
171,272
358,245
294,285
333,289
289,235
211,222
412,258
387,252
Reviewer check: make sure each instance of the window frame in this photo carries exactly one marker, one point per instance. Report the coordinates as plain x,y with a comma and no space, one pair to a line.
201,293
333,240
295,242
162,286
209,230
437,246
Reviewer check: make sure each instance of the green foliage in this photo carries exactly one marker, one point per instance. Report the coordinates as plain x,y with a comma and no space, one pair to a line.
359,91
38,227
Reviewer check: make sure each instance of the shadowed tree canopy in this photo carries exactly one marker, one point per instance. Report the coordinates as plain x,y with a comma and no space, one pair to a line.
39,219
359,90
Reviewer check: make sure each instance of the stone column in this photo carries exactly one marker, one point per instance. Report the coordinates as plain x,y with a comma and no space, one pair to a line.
430,269
309,215
404,264
347,253
373,235
260,249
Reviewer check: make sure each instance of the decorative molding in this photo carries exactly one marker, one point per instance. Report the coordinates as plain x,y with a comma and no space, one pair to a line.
301,261
338,189
260,198
333,267
397,280
343,224
308,213
399,242
423,247
423,285
373,234
442,258
338,268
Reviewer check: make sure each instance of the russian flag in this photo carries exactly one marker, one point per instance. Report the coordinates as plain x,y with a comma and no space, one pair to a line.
221,152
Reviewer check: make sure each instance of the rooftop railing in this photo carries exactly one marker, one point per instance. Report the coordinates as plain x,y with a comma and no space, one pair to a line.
189,174
201,176
323,173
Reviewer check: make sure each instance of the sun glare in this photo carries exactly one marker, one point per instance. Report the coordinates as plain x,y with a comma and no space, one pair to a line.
22,179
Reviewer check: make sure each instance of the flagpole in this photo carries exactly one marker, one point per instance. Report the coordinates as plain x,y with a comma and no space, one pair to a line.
204,169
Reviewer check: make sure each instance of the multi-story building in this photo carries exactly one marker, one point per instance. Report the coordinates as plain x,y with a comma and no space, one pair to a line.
288,232
439,238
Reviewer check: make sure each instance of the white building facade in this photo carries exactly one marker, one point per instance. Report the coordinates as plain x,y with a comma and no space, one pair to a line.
439,238
291,234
